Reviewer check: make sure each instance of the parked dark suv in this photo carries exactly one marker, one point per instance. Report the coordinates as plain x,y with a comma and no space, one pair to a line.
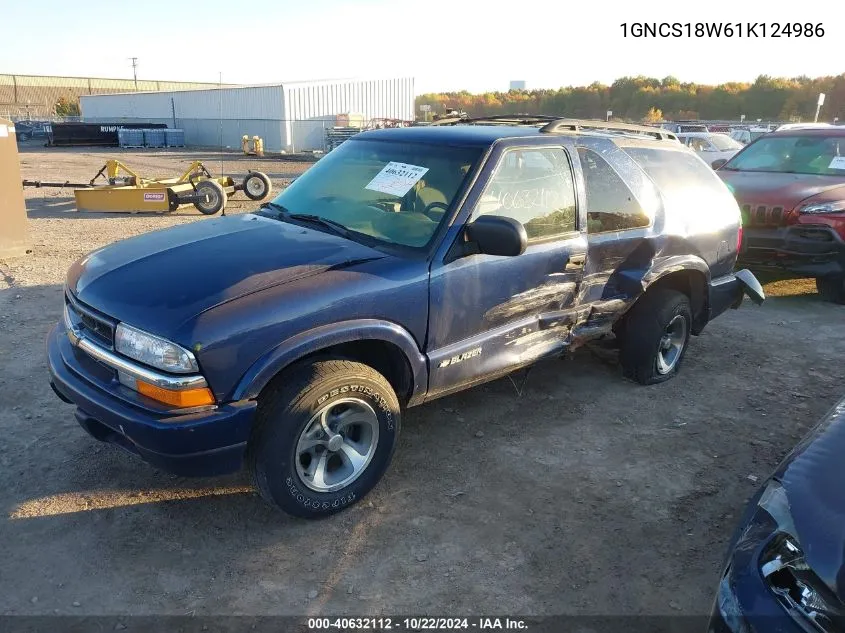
790,185
405,265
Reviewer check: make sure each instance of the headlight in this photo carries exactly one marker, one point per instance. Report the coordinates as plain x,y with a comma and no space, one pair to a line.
790,578
824,207
153,351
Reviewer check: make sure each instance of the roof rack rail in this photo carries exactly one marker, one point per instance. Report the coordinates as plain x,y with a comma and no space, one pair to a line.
575,125
499,119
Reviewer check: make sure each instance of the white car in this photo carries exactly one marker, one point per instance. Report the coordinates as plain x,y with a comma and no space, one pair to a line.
711,146
746,135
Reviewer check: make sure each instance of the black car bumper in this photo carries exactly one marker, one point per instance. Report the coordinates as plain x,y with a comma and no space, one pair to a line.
199,443
727,292
806,250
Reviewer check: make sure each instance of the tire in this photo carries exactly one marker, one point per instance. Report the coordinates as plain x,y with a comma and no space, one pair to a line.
659,313
831,288
257,185
217,197
288,421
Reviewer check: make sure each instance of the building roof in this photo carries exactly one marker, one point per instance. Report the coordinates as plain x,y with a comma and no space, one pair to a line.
275,84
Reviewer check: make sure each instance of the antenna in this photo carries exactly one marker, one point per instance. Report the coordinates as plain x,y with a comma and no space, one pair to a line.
135,71
220,101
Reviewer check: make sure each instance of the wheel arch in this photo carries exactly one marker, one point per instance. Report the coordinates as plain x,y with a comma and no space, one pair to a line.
688,274
385,346
693,282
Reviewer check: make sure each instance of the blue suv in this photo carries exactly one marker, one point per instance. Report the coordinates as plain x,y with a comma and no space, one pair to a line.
405,265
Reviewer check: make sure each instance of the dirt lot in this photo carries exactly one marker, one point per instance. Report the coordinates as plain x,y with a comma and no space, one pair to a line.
587,495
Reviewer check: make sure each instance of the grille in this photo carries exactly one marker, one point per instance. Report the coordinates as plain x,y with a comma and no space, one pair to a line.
762,215
93,325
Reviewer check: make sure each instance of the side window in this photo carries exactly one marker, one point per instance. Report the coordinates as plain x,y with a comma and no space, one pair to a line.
699,144
610,204
535,187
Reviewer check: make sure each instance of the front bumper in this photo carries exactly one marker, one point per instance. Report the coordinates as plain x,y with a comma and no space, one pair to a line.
210,441
744,603
813,250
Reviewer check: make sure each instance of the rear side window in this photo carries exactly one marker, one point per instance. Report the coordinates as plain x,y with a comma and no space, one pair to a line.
695,198
611,206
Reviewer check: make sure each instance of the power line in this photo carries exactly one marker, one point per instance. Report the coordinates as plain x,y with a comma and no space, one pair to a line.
135,71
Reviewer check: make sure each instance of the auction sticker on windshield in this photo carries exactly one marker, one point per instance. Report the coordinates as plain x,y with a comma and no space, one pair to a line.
838,162
397,178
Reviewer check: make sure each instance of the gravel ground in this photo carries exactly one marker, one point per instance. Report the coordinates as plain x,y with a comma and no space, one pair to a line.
586,495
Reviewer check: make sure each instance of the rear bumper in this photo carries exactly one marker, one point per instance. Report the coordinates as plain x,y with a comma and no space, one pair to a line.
728,291
199,443
815,250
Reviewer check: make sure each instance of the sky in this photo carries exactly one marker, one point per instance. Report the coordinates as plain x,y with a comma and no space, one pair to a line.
444,46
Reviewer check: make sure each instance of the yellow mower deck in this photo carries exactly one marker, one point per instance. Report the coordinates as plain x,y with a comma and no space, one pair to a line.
127,192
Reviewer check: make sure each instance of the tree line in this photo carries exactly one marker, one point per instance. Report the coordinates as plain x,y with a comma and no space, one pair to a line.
647,98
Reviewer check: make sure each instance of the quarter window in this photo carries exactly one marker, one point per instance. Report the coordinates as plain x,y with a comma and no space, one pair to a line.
535,187
611,206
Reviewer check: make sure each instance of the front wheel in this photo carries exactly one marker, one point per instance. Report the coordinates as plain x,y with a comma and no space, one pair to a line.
656,333
324,436
831,288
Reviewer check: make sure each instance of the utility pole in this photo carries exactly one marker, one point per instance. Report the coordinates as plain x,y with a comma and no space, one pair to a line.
819,105
135,71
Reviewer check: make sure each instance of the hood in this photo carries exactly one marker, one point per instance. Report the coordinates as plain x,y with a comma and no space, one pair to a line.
160,280
812,477
776,189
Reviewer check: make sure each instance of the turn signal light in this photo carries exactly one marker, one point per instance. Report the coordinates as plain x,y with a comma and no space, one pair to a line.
181,398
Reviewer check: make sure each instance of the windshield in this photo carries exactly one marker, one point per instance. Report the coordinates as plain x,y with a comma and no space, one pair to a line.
724,143
395,192
817,155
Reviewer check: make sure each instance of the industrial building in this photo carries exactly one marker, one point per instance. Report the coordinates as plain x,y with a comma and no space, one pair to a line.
35,96
289,116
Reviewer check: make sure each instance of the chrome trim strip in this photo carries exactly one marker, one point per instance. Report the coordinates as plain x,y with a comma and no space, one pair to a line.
84,310
724,279
136,371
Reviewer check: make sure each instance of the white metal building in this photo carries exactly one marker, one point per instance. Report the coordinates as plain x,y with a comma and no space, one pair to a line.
290,116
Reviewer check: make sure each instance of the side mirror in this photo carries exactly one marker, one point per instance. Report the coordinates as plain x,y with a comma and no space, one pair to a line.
718,163
497,235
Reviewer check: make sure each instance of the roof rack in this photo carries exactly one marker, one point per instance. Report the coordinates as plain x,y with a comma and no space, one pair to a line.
576,125
499,119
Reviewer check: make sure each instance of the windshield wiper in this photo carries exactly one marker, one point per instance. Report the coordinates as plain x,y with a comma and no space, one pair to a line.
335,227
275,206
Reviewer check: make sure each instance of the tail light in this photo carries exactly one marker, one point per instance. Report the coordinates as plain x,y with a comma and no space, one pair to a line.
739,239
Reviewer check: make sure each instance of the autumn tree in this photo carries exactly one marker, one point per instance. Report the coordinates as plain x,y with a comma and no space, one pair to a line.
633,98
653,116
65,107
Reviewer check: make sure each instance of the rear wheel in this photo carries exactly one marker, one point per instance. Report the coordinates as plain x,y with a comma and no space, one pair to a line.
257,185
831,288
656,334
216,197
324,437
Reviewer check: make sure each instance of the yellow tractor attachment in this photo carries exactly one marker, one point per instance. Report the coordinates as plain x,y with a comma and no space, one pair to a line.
127,192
